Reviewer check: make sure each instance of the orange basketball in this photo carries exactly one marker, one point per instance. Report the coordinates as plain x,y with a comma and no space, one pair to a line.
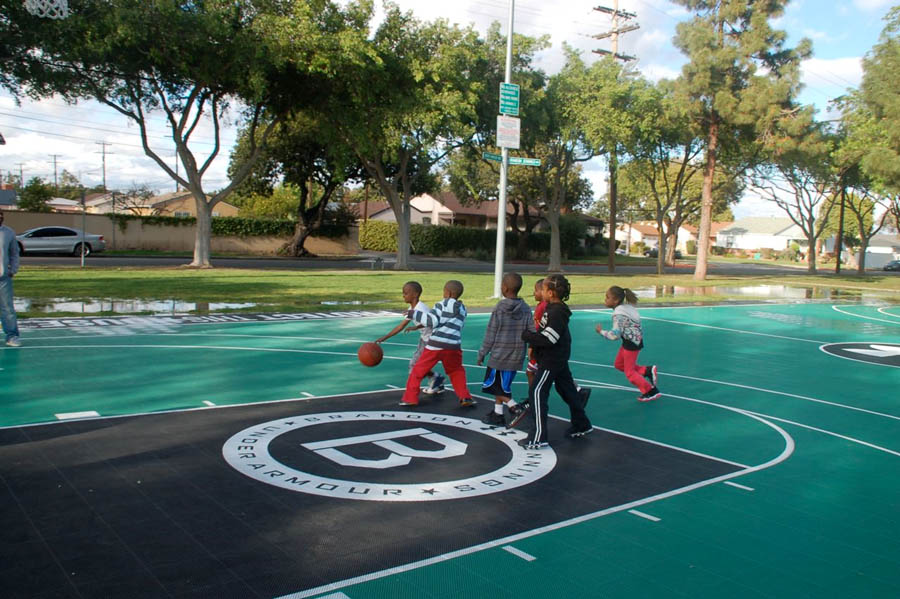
370,354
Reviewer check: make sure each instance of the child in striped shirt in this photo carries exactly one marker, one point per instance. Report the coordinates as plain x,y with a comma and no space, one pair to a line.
446,320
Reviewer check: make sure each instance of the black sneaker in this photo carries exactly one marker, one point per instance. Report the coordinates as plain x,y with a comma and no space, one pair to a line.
651,375
573,432
650,395
584,394
529,444
517,412
493,418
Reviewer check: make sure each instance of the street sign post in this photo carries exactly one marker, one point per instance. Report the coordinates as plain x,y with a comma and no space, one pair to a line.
509,99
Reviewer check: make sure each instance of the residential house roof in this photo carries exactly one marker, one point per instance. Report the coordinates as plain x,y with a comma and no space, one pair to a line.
891,241
759,225
714,227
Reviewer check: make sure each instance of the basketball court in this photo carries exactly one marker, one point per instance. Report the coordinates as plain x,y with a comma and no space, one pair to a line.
253,456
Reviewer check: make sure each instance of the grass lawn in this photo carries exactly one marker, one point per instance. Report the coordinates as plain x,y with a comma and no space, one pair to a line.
305,291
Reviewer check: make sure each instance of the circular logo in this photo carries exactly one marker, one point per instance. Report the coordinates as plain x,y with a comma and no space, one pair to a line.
388,460
883,354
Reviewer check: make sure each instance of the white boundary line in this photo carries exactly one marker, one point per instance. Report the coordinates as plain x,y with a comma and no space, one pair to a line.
643,515
786,453
737,486
519,553
837,309
883,310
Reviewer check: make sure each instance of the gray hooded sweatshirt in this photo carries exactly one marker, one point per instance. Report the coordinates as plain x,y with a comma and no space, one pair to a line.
503,337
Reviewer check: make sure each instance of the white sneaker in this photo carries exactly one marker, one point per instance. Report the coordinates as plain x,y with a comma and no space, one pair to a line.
436,386
13,342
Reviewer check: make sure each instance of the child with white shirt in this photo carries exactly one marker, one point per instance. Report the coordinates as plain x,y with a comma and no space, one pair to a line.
627,327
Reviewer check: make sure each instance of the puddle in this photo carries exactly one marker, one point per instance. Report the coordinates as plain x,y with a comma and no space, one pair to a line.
771,292
53,305
355,303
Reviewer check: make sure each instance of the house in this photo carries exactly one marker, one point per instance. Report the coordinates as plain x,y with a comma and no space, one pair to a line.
881,250
181,203
441,209
7,196
647,233
757,233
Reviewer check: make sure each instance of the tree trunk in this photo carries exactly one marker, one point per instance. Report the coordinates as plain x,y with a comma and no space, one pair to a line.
811,255
203,231
555,249
861,265
613,198
296,246
403,238
709,171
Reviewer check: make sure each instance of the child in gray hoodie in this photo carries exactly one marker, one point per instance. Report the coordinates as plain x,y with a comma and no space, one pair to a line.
503,341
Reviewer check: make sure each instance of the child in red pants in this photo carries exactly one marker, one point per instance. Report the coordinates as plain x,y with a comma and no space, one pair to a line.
627,327
446,320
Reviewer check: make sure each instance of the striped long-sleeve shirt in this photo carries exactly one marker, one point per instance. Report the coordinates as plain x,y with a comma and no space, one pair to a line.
627,327
446,319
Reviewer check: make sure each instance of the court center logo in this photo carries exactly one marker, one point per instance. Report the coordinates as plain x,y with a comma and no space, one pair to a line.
403,441
883,354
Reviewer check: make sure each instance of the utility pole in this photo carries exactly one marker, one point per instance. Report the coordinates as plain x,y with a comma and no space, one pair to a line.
103,145
616,15
617,29
21,178
55,183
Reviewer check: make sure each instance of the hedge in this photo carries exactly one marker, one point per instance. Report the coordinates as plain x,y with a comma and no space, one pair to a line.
233,226
438,240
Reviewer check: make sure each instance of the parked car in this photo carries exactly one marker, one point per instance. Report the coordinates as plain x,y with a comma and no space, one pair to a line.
654,252
59,240
892,265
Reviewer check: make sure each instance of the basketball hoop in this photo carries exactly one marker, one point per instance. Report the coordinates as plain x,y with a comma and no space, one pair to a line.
50,9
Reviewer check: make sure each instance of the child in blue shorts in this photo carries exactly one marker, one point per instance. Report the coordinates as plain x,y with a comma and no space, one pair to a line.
503,341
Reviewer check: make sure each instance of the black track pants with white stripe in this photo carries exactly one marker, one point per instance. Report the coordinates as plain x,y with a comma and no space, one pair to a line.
539,394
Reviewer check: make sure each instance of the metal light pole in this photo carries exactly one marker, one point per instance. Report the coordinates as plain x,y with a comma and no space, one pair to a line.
83,225
504,166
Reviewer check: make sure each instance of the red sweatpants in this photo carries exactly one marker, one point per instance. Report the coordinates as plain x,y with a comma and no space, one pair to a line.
452,361
626,361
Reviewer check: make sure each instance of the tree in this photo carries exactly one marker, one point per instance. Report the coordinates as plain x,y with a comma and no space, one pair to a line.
880,94
474,179
311,158
799,175
738,81
614,108
408,106
189,60
35,195
135,201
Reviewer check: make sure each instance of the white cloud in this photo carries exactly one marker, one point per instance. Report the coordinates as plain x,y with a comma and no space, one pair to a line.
872,5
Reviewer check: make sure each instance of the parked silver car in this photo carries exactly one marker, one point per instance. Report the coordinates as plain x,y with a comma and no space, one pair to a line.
59,240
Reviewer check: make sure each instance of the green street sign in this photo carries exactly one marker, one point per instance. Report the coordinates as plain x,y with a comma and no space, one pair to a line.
525,161
491,156
509,99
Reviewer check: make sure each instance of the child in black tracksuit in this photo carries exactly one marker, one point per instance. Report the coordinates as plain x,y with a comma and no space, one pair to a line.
552,345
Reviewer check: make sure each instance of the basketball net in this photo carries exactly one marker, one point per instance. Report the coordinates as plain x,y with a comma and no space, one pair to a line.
50,9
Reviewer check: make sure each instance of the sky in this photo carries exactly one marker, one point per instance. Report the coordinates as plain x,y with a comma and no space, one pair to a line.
78,138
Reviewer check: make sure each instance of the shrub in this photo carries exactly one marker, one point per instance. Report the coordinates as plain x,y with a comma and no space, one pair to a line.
378,236
691,246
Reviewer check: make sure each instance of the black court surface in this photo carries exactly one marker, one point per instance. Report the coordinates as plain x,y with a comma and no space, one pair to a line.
173,514
254,457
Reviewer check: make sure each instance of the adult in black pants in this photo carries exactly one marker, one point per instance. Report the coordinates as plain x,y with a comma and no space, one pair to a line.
552,345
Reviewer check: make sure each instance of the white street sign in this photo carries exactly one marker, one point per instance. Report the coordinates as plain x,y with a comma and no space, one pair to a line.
508,129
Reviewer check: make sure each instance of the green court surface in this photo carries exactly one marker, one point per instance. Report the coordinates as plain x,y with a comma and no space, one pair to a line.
812,427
